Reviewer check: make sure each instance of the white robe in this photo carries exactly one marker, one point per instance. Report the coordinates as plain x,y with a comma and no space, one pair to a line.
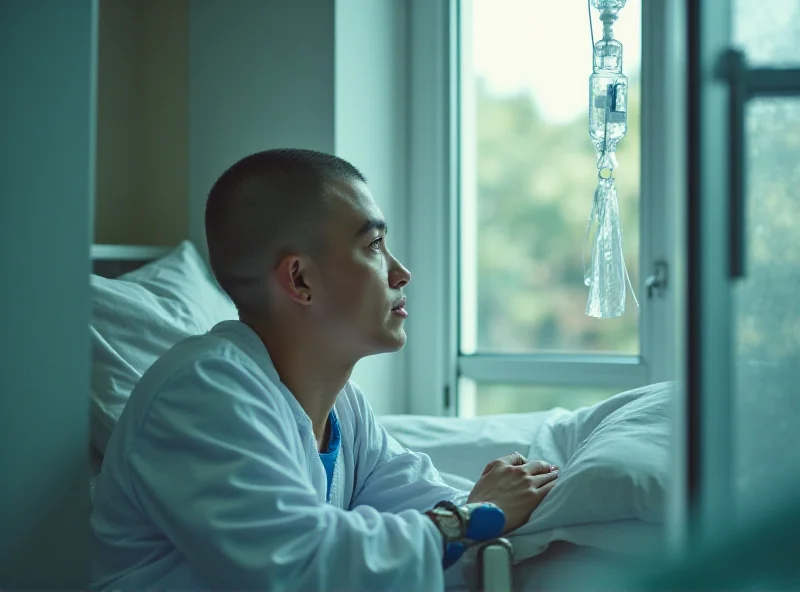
212,480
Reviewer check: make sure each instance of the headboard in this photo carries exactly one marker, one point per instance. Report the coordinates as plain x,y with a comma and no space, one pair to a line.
113,260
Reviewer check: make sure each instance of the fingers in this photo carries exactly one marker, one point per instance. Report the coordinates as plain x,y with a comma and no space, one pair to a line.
539,467
539,481
513,459
545,489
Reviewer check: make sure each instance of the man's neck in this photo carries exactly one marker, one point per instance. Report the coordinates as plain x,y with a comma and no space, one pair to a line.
309,373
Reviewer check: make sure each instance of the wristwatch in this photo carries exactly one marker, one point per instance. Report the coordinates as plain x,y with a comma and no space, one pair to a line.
462,526
450,520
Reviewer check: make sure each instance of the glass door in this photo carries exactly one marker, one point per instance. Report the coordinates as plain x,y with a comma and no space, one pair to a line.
765,369
743,306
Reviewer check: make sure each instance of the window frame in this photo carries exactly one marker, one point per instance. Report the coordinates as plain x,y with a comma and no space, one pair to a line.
435,363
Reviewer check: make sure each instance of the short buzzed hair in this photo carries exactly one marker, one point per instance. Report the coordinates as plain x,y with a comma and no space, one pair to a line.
262,208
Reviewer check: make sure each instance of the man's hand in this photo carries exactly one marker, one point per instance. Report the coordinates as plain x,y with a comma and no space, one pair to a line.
514,485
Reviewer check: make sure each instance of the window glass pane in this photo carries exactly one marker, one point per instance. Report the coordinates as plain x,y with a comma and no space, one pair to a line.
766,399
767,369
492,399
768,31
528,175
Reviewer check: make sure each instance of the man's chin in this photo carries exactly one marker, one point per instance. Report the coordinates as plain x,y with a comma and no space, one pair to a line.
391,342
400,340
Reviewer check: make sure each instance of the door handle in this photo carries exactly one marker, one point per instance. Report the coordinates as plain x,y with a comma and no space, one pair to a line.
735,72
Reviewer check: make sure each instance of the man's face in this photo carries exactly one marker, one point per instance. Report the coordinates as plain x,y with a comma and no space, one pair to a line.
359,299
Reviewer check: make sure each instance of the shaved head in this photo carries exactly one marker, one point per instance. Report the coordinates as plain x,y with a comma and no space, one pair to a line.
264,207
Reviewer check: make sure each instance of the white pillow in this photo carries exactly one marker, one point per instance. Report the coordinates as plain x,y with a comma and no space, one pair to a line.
138,317
614,460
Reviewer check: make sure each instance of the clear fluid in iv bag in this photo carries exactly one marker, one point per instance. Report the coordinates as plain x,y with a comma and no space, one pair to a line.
608,117
608,97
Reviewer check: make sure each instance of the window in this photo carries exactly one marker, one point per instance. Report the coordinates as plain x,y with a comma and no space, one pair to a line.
527,179
529,174
506,146
491,399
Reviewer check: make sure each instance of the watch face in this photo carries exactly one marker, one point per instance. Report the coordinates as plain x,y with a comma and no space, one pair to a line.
448,524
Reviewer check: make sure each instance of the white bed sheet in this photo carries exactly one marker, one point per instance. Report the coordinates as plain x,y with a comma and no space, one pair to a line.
461,448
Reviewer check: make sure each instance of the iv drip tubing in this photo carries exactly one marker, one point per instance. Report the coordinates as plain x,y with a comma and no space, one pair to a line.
591,27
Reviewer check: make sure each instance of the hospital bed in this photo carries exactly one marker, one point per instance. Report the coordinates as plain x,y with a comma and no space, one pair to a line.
605,512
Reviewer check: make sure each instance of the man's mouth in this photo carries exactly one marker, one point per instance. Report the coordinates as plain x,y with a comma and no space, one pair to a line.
400,309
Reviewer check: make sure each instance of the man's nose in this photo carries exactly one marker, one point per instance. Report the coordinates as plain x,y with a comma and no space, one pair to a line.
399,276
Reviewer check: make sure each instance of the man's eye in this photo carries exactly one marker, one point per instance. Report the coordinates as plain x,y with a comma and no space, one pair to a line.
376,244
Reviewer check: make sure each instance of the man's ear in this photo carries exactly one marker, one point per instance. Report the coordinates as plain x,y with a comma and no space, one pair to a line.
292,275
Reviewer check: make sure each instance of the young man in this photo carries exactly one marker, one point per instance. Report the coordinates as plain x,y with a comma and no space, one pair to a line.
245,459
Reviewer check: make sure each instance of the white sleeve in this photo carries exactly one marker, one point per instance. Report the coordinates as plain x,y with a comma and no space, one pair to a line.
389,477
212,469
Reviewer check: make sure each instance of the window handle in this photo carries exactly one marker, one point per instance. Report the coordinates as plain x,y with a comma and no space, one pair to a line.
656,283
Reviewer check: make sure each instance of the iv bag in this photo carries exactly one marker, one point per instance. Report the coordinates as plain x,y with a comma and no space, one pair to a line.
607,275
608,101
608,124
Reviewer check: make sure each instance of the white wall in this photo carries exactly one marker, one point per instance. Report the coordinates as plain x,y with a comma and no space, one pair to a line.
260,76
47,65
371,132
315,74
